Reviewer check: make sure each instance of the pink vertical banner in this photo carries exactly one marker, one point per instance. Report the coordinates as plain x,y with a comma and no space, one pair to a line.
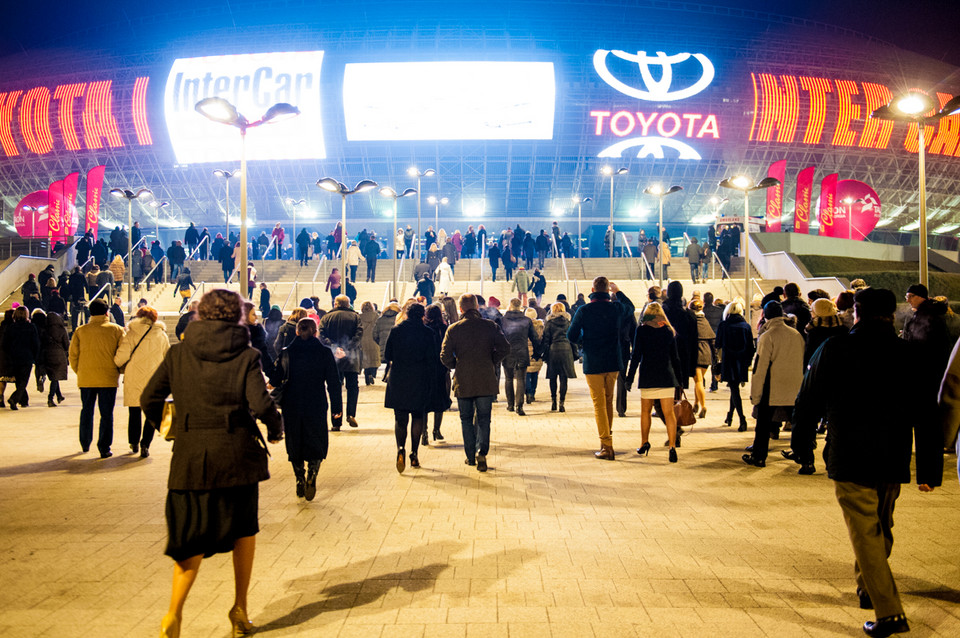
55,211
775,196
828,202
94,192
70,184
801,211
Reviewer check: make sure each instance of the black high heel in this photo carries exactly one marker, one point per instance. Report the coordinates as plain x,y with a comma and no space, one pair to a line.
673,455
729,420
644,450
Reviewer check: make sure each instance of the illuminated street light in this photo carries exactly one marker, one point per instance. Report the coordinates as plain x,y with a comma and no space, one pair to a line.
745,184
849,201
226,175
159,206
436,211
657,191
293,204
386,191
609,172
219,110
33,229
142,194
414,172
580,202
331,185
910,107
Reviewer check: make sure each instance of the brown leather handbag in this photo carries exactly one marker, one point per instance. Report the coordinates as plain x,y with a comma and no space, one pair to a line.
684,411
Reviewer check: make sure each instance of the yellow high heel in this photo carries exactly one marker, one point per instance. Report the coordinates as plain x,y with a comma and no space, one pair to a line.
170,626
240,624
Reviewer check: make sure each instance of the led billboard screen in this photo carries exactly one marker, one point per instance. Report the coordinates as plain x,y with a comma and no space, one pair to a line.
449,101
253,83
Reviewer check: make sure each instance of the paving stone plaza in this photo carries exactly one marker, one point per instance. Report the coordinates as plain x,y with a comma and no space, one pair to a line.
549,542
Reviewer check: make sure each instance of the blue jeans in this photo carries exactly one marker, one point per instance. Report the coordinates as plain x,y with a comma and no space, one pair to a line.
476,434
89,397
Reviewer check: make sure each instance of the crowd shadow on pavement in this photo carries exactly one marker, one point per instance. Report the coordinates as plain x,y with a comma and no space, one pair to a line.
76,463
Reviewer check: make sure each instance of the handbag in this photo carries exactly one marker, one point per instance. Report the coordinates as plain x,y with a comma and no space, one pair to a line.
123,368
166,421
684,411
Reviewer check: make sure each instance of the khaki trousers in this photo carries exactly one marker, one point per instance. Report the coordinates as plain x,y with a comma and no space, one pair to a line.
602,394
868,513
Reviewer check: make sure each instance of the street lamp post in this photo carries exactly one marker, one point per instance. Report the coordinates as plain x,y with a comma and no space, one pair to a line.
658,192
334,186
159,206
226,175
849,201
220,110
745,184
609,172
293,203
911,107
414,172
436,204
580,202
386,191
119,193
36,210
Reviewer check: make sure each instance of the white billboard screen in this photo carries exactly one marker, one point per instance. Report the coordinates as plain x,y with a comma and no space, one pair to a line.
252,83
449,101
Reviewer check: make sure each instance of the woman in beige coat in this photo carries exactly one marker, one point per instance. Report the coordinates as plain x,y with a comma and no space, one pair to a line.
142,350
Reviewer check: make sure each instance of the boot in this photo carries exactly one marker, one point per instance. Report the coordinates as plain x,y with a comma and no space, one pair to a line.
553,404
50,403
424,439
606,453
300,475
436,434
561,406
310,489
729,420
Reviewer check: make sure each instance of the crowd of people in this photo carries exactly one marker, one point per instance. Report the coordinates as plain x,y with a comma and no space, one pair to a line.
291,372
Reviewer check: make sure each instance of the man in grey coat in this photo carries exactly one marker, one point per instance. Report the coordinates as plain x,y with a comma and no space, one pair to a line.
473,348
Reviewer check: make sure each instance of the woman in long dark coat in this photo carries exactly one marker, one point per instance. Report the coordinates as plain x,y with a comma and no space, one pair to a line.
368,343
556,349
39,320
6,373
735,343
434,320
54,348
218,462
21,345
410,353
303,369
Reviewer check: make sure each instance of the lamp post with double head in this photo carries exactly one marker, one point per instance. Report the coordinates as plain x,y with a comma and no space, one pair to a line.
437,202
226,175
293,204
657,191
413,171
580,202
746,185
222,111
388,192
36,210
914,107
142,194
333,186
158,206
609,172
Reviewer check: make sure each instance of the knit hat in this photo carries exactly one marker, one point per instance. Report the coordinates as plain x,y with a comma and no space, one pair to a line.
824,308
772,310
307,303
493,302
919,290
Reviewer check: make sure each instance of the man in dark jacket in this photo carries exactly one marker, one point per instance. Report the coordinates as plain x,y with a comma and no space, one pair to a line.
473,348
518,329
927,330
543,246
869,443
340,330
191,238
796,306
684,321
371,252
83,249
77,285
596,328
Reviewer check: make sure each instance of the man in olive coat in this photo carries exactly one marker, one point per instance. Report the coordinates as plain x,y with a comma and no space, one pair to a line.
91,357
473,348
340,330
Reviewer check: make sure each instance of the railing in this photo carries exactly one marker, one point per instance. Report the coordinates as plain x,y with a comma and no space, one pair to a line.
390,285
159,264
293,289
316,273
12,293
142,239
104,287
263,259
197,249
198,291
627,254
566,275
482,260
726,280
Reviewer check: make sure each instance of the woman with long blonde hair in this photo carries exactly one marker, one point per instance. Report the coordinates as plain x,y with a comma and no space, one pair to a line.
656,357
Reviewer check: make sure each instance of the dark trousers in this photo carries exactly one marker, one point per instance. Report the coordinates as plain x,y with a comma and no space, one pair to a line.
695,272
418,424
476,433
509,272
541,256
666,271
868,513
528,262
533,379
621,398
372,270
562,382
736,403
493,271
351,380
21,376
802,442
761,437
78,309
353,273
514,380
106,398
136,433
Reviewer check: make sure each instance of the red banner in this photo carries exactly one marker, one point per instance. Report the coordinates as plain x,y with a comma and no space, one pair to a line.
775,196
55,211
828,202
70,183
801,212
94,191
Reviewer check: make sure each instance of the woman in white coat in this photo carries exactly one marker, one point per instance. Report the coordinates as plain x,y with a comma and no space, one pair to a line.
141,351
444,277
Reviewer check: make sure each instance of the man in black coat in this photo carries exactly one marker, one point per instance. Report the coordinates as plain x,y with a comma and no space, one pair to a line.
796,306
191,238
684,321
870,442
78,297
340,330
84,246
518,329
371,252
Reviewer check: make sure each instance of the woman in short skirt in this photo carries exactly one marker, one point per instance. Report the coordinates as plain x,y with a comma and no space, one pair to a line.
219,456
655,355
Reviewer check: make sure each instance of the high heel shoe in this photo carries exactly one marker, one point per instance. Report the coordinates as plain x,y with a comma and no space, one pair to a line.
170,626
644,450
729,420
673,455
239,622
703,413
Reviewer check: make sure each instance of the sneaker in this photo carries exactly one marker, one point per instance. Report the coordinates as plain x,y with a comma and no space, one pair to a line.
481,463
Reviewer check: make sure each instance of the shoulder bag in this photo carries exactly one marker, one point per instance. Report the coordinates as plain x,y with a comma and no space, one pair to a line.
684,411
123,368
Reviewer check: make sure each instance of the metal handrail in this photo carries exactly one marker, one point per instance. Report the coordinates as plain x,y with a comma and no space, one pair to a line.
198,290
97,295
12,293
387,289
197,249
263,257
566,274
155,266
629,255
316,273
727,279
483,247
287,300
142,239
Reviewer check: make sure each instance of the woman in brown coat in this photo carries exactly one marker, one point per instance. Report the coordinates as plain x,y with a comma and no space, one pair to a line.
368,344
219,456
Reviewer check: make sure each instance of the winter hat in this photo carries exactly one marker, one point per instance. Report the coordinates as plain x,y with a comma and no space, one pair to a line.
824,308
919,290
772,310
493,302
307,303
